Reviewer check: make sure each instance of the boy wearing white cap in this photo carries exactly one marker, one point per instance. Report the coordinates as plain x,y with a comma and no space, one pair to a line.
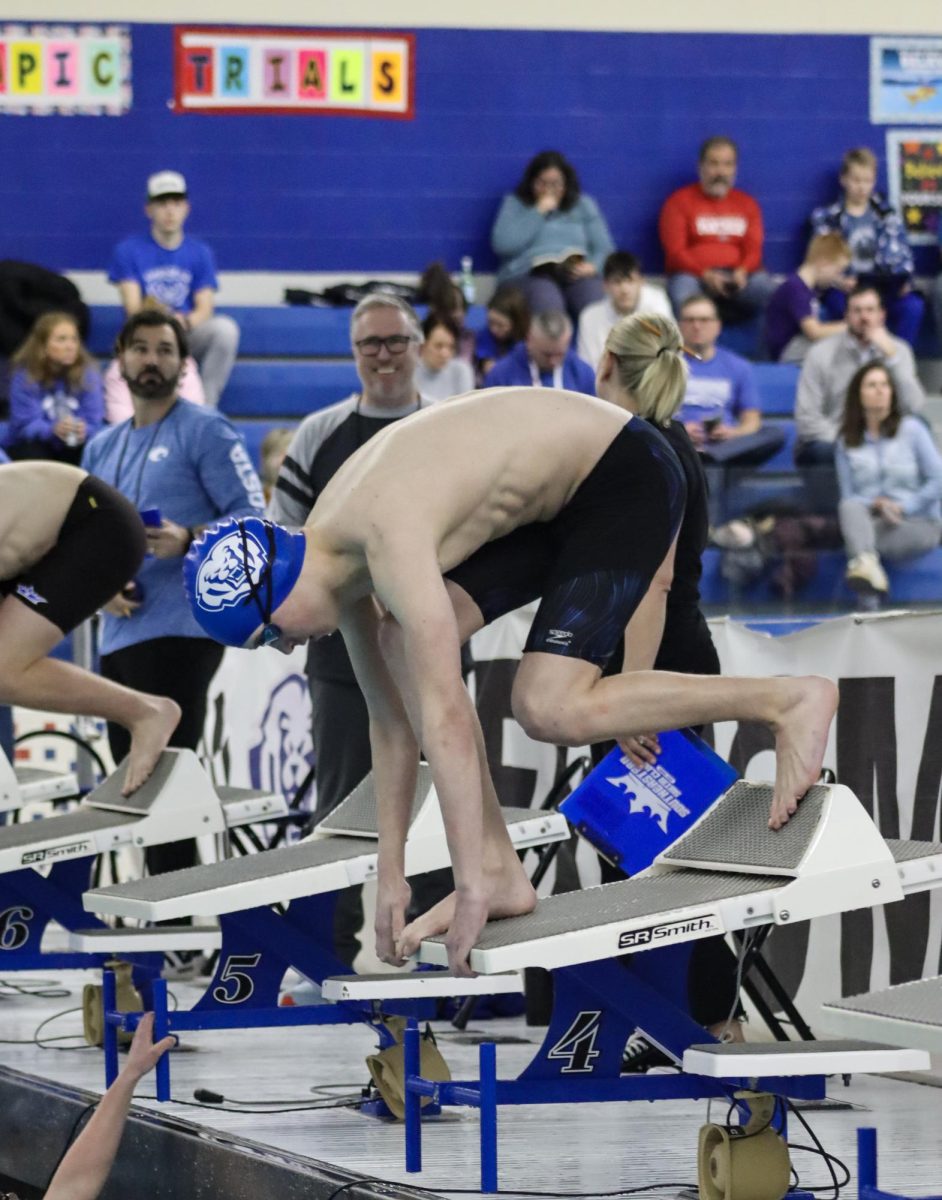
179,273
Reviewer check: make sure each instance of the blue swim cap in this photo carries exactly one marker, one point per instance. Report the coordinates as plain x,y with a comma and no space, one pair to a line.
238,572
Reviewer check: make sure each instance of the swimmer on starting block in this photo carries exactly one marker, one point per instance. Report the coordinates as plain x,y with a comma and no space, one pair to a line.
451,518
68,545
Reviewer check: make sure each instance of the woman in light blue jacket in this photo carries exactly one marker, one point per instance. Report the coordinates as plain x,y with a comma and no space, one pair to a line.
551,239
890,477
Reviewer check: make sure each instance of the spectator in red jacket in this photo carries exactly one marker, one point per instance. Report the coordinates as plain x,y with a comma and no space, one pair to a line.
712,238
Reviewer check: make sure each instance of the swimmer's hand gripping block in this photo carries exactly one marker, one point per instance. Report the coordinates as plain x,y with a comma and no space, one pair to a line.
631,814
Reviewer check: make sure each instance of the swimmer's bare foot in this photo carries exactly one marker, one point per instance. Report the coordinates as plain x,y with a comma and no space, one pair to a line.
808,704
507,892
150,734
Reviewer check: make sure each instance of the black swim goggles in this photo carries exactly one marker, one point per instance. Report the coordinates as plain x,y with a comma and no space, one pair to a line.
270,633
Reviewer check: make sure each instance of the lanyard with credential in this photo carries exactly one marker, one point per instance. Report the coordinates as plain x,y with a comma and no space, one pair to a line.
535,375
145,457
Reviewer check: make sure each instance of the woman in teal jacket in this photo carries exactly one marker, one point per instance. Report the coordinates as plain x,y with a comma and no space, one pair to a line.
551,239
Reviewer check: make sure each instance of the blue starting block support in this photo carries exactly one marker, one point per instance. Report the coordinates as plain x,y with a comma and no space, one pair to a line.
260,942
867,1187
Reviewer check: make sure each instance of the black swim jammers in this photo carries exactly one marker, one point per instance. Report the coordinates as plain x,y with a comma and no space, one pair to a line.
100,547
593,562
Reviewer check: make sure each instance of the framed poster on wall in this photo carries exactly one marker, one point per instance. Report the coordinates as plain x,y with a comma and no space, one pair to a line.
914,173
906,81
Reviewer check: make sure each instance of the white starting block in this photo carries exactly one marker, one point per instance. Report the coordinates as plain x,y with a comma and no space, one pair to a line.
738,1060
202,938
22,785
908,1014
728,872
418,984
45,864
340,853
177,801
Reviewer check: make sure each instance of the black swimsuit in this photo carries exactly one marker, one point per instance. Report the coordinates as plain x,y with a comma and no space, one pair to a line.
592,563
100,546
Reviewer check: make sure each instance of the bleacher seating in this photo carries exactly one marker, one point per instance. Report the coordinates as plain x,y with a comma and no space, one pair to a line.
918,581
293,361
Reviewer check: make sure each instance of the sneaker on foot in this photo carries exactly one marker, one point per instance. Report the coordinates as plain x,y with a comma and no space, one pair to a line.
865,573
183,965
640,1056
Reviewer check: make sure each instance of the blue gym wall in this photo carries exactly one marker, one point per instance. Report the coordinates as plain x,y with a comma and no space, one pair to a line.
335,193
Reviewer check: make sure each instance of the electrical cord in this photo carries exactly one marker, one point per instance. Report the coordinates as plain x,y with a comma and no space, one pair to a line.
76,739
46,1043
43,989
202,1100
836,1186
641,1190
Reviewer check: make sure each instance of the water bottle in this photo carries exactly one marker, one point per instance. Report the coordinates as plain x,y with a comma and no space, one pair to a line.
64,410
467,279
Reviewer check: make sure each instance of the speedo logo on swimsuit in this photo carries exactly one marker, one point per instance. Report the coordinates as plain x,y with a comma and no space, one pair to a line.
559,637
690,928
71,850
29,594
222,580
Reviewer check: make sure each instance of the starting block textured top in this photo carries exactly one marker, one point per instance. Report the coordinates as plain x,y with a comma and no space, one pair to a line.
177,801
909,1014
319,864
21,785
729,871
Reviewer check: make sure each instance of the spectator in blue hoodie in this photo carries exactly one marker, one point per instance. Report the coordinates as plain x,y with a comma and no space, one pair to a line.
552,240
881,256
183,467
545,359
56,401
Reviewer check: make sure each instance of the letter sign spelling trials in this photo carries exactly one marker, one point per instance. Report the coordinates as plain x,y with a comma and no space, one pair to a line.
65,69
258,71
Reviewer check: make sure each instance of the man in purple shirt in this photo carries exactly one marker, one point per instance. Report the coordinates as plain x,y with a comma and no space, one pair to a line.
545,359
721,406
177,273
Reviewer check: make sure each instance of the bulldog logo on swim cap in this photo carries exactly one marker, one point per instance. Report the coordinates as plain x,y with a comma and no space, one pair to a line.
238,572
227,573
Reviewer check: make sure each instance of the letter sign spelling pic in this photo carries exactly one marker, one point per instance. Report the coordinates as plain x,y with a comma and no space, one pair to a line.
310,72
64,70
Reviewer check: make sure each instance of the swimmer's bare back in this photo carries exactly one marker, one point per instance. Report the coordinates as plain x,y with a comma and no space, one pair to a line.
467,471
35,498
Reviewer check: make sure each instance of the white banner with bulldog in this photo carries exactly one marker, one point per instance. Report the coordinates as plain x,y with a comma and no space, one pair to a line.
886,745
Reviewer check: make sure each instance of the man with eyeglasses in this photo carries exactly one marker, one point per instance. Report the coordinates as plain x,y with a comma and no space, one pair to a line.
721,410
386,336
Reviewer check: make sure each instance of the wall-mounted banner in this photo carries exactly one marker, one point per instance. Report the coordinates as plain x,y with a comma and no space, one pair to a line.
293,71
906,81
914,171
71,69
